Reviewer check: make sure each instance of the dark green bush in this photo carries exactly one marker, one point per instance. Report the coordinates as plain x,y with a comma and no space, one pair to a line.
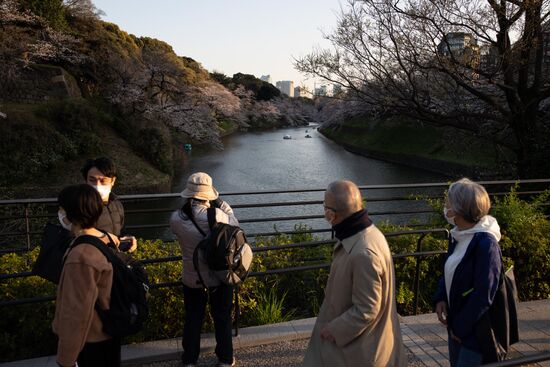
525,243
153,145
30,148
36,139
26,329
430,268
303,291
52,11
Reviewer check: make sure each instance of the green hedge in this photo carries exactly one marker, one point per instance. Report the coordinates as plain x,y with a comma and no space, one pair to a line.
26,330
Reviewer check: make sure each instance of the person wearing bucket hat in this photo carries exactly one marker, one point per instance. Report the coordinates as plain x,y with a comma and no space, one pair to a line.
199,195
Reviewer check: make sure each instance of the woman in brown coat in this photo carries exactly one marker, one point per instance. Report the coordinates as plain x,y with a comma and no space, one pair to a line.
86,280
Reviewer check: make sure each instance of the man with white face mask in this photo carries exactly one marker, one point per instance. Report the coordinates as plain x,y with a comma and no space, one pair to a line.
100,173
357,324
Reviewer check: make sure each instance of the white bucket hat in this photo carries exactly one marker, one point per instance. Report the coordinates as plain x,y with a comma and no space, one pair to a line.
199,186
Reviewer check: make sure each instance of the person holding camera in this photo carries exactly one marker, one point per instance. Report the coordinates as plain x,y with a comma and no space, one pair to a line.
100,173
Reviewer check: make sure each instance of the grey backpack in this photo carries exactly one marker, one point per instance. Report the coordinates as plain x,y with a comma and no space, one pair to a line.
225,251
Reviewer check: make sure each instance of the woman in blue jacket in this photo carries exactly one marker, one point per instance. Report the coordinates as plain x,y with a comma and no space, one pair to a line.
472,270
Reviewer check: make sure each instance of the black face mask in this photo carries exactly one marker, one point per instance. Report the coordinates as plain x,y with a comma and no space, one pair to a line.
353,224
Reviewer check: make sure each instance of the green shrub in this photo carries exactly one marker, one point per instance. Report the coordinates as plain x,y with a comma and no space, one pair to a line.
37,138
526,243
52,11
155,148
405,268
304,290
26,329
30,148
269,309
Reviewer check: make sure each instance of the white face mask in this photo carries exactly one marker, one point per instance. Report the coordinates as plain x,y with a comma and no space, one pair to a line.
104,191
450,220
61,216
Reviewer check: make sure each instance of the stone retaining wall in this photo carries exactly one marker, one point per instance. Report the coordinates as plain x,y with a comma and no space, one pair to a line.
38,82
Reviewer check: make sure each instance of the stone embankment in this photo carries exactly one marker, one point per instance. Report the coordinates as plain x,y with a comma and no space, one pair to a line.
38,82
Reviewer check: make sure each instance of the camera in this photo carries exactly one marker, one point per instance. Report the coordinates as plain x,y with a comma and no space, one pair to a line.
125,245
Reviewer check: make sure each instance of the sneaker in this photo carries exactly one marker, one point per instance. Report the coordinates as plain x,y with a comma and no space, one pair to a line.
222,364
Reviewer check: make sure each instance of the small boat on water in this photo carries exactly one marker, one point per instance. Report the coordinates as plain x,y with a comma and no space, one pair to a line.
308,136
287,137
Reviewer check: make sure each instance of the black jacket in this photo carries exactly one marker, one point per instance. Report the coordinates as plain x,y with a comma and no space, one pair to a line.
112,217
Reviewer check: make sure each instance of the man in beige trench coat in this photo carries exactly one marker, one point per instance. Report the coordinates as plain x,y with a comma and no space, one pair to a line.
357,325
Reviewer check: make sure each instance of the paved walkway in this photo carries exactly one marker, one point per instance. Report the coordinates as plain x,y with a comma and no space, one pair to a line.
427,338
422,334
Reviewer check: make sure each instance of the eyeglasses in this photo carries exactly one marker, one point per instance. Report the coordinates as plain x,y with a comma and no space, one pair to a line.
329,208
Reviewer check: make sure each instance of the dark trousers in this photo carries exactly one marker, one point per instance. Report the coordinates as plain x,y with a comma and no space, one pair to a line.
105,354
220,300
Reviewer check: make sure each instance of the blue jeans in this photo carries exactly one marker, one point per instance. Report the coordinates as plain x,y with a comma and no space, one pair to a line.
460,356
221,304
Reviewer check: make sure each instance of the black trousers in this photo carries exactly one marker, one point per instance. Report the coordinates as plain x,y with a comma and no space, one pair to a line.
105,354
220,300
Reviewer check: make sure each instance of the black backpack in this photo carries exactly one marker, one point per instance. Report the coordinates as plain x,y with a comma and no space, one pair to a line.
128,306
53,246
225,250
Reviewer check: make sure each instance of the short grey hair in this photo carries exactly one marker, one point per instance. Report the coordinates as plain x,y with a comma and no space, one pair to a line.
347,196
469,200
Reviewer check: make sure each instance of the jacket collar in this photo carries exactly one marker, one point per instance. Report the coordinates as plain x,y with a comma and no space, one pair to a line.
349,243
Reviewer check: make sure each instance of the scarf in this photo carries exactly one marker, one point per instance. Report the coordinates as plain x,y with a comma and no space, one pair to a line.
353,224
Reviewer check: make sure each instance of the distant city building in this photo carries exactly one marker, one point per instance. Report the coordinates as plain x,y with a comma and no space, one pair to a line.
267,78
463,49
456,43
302,92
488,58
286,87
321,91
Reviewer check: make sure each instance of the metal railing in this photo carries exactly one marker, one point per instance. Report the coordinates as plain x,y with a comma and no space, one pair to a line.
385,201
418,255
388,201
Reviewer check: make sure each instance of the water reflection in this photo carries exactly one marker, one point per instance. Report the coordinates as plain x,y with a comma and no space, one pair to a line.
259,161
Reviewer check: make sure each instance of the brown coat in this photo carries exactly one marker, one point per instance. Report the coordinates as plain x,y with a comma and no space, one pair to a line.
87,277
359,307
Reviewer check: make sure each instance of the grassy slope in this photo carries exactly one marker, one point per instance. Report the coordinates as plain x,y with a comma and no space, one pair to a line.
135,173
404,138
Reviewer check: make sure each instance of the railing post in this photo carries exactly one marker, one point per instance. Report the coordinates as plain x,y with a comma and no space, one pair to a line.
27,227
416,285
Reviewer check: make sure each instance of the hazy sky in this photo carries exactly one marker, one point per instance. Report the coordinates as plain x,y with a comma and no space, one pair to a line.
250,36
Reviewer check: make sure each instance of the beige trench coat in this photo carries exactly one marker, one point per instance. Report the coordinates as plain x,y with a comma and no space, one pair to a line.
359,307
